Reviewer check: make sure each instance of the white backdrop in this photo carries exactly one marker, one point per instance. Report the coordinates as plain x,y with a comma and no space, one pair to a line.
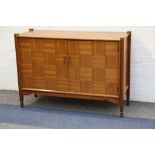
142,68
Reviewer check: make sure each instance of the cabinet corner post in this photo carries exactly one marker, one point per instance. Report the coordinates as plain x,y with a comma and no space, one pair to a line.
21,97
121,77
128,65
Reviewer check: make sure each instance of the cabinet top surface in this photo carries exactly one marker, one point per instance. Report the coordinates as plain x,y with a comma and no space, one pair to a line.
74,35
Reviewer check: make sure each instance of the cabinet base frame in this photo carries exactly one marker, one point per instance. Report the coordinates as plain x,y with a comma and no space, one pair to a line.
112,98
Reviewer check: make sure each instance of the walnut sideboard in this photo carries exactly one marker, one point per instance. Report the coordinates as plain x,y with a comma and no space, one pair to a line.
85,65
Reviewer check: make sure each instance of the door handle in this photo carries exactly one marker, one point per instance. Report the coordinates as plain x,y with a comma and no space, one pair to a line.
69,60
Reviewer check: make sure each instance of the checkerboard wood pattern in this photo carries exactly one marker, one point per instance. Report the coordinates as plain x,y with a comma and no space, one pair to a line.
92,67
94,71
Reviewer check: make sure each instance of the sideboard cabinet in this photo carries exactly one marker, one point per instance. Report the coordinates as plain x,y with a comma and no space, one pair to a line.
85,65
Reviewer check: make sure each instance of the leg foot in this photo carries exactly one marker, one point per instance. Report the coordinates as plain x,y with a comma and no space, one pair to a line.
121,107
128,97
128,103
121,114
21,101
35,95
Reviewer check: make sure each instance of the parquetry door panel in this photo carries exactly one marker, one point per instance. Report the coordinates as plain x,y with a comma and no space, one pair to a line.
93,67
42,64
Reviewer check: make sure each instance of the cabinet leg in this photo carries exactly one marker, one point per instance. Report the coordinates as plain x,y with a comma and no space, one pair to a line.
35,95
128,97
121,108
21,97
121,114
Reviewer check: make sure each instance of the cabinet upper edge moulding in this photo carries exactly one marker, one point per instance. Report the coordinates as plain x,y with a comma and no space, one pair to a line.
77,35
98,67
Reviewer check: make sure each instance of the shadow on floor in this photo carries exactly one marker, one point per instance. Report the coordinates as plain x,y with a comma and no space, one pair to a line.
77,104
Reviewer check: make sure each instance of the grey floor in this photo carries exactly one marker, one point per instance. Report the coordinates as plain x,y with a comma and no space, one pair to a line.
136,109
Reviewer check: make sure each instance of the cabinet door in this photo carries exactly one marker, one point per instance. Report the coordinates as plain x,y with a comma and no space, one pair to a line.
42,64
93,67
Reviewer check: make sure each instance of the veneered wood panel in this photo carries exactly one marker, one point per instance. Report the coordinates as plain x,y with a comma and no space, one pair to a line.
49,46
26,69
50,69
111,62
99,47
94,62
42,60
50,83
98,61
85,60
38,82
99,74
27,81
61,46
74,35
99,88
73,73
86,86
62,85
111,88
105,67
74,85
111,48
25,55
38,64
111,75
91,66
73,66
85,47
86,74
56,69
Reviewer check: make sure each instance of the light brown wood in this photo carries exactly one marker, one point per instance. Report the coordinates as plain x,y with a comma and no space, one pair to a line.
85,65
19,70
74,35
128,65
112,98
122,77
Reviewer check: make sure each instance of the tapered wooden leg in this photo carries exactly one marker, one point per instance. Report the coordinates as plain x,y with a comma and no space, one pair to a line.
121,108
121,114
21,97
128,97
122,78
35,95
